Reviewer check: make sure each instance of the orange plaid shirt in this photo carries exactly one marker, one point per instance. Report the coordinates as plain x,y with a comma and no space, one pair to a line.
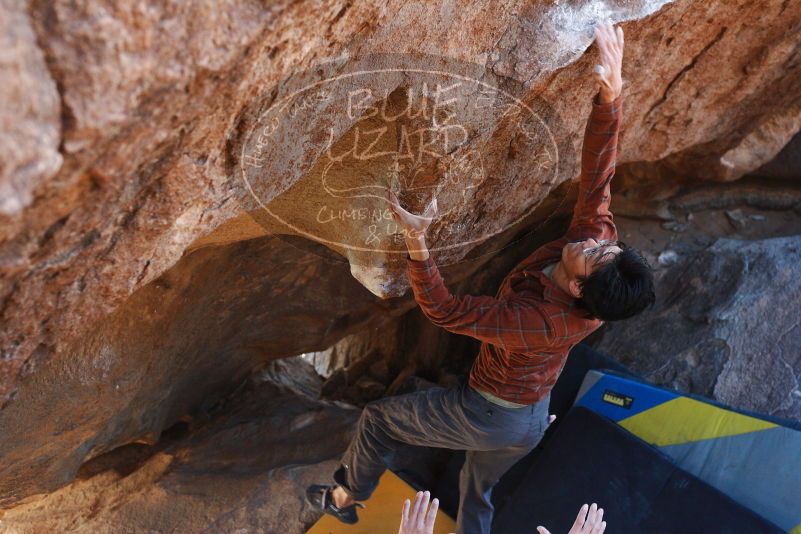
529,327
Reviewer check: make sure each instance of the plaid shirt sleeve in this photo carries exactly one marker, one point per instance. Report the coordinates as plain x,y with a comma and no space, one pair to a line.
591,215
513,323
516,322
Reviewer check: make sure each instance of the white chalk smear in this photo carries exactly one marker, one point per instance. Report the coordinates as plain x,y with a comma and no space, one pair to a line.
568,28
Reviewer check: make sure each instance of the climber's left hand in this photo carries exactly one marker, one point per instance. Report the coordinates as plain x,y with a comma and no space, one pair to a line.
608,73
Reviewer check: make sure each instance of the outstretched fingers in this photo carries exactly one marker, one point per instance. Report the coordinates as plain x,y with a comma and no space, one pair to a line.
616,41
578,524
428,214
392,200
608,73
610,41
600,41
405,512
431,516
595,523
605,65
608,44
431,210
614,45
588,521
416,509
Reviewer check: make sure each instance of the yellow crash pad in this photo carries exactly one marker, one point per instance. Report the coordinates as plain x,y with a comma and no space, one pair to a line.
383,512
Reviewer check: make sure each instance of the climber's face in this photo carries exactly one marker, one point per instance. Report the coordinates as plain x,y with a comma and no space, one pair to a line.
581,258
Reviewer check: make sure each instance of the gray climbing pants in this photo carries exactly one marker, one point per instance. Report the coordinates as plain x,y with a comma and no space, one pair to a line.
494,438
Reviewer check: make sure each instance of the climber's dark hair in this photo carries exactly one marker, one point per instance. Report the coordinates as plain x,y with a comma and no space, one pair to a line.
620,288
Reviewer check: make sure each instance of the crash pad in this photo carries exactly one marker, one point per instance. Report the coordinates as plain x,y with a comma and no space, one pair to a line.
592,459
382,513
753,458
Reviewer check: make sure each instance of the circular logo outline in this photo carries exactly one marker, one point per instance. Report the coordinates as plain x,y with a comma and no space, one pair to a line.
276,108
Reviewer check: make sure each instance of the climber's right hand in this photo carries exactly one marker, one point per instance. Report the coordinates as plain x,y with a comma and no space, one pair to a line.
413,225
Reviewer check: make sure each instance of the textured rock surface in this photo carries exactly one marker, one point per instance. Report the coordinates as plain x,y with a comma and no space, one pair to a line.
30,114
121,149
246,468
175,346
726,326
786,163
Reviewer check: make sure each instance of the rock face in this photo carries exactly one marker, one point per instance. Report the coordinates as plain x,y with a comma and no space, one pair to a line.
786,163
137,132
726,325
31,125
174,347
246,468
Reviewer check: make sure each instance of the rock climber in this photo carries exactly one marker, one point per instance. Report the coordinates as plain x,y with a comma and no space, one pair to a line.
552,300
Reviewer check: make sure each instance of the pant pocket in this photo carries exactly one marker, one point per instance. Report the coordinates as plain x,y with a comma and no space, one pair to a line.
540,423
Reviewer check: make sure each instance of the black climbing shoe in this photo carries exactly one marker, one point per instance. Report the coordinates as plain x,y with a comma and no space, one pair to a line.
319,496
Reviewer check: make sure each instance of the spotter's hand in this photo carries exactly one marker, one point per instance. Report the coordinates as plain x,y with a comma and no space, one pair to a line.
414,225
589,521
418,518
608,72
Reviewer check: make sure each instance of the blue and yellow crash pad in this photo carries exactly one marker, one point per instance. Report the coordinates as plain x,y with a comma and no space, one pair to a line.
754,460
592,459
382,513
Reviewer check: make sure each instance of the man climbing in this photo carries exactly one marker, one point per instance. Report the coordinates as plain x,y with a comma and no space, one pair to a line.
551,301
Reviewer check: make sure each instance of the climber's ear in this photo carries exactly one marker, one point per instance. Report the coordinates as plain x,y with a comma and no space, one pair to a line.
575,288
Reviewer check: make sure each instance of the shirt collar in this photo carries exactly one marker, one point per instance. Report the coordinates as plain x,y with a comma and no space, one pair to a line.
553,293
